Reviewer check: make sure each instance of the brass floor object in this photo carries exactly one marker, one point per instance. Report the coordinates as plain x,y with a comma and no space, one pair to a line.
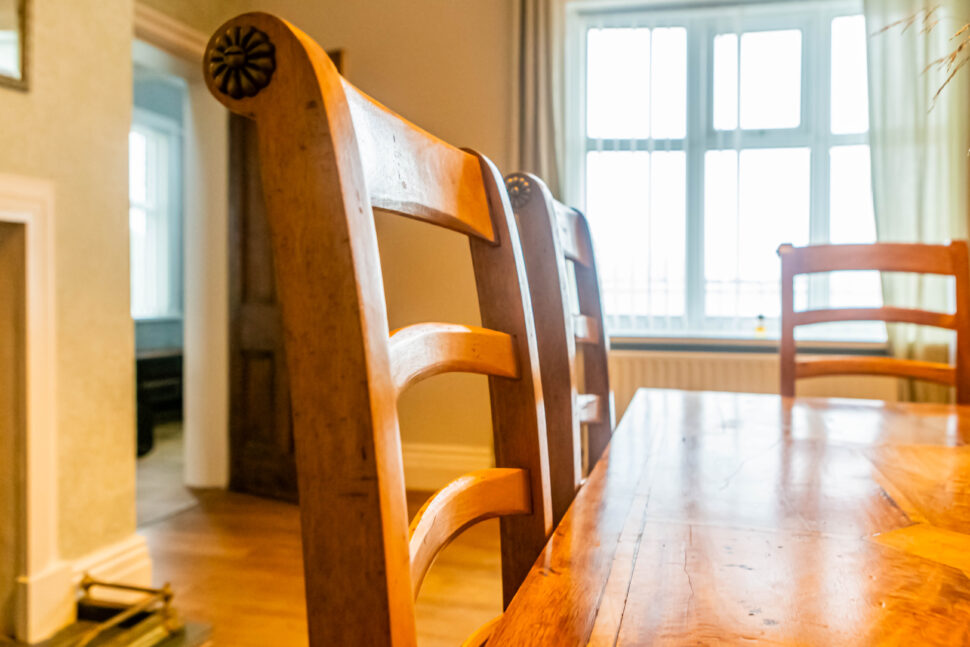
145,618
192,635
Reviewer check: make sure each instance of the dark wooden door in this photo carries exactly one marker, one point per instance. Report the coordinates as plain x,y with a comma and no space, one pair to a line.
261,457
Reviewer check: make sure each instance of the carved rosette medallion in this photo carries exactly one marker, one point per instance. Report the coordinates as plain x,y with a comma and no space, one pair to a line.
520,190
242,61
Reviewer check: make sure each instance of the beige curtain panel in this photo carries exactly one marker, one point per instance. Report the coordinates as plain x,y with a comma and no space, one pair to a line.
539,144
919,159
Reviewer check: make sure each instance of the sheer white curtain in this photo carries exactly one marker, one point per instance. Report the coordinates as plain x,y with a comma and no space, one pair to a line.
538,118
919,159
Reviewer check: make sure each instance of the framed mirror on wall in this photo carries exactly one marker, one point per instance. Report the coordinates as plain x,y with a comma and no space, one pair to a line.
13,43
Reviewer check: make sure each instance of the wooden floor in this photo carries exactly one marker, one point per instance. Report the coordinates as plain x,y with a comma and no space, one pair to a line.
235,562
160,492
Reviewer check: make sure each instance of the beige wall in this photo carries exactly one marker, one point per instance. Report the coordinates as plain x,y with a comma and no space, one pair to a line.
8,15
204,15
72,127
445,66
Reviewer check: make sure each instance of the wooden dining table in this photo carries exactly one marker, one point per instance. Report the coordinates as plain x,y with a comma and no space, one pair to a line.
731,518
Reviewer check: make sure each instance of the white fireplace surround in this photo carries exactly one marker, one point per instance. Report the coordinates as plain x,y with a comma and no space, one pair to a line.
46,584
43,578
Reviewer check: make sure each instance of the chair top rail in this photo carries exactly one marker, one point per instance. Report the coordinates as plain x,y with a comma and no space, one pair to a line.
411,172
883,257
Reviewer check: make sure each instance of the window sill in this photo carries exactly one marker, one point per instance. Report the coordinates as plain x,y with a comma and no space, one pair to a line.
159,319
712,344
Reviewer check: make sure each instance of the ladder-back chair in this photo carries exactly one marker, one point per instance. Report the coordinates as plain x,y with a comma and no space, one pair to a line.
554,236
331,154
948,260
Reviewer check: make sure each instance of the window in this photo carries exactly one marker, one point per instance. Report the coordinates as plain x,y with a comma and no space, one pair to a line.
155,216
9,53
703,139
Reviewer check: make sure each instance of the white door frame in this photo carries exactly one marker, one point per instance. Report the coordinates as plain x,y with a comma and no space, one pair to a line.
177,49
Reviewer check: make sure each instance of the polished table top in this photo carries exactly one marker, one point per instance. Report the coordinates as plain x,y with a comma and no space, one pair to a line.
726,518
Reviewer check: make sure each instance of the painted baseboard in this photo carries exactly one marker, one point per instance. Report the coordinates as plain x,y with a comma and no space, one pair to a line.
126,562
45,603
431,466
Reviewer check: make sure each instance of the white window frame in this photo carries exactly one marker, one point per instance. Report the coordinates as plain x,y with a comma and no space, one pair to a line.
167,128
814,18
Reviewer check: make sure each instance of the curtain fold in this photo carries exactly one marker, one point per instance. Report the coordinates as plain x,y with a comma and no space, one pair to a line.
538,115
920,165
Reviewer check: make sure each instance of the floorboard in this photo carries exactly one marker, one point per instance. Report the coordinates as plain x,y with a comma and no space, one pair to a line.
235,563
160,492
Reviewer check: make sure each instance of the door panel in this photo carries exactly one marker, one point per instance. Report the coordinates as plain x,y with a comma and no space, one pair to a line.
261,457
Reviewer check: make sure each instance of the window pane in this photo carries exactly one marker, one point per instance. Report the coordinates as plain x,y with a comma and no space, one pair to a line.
851,216
669,81
850,92
771,79
726,82
9,47
852,220
774,189
636,208
749,212
721,242
153,214
618,83
667,237
140,298
137,167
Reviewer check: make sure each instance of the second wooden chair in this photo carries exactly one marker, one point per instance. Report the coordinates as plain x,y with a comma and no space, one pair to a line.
554,237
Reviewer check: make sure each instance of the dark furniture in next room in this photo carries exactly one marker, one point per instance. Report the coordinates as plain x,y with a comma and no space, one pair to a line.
159,392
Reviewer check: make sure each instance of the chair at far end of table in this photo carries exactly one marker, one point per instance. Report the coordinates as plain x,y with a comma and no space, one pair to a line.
950,259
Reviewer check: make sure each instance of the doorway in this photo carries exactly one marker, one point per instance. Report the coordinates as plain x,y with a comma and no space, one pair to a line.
179,146
156,178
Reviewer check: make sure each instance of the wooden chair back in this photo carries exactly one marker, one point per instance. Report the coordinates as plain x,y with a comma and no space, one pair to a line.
948,260
330,155
555,236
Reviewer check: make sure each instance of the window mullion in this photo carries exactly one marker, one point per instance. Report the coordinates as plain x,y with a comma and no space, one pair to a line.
818,70
699,93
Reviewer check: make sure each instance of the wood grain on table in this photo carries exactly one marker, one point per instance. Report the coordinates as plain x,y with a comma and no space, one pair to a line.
723,518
